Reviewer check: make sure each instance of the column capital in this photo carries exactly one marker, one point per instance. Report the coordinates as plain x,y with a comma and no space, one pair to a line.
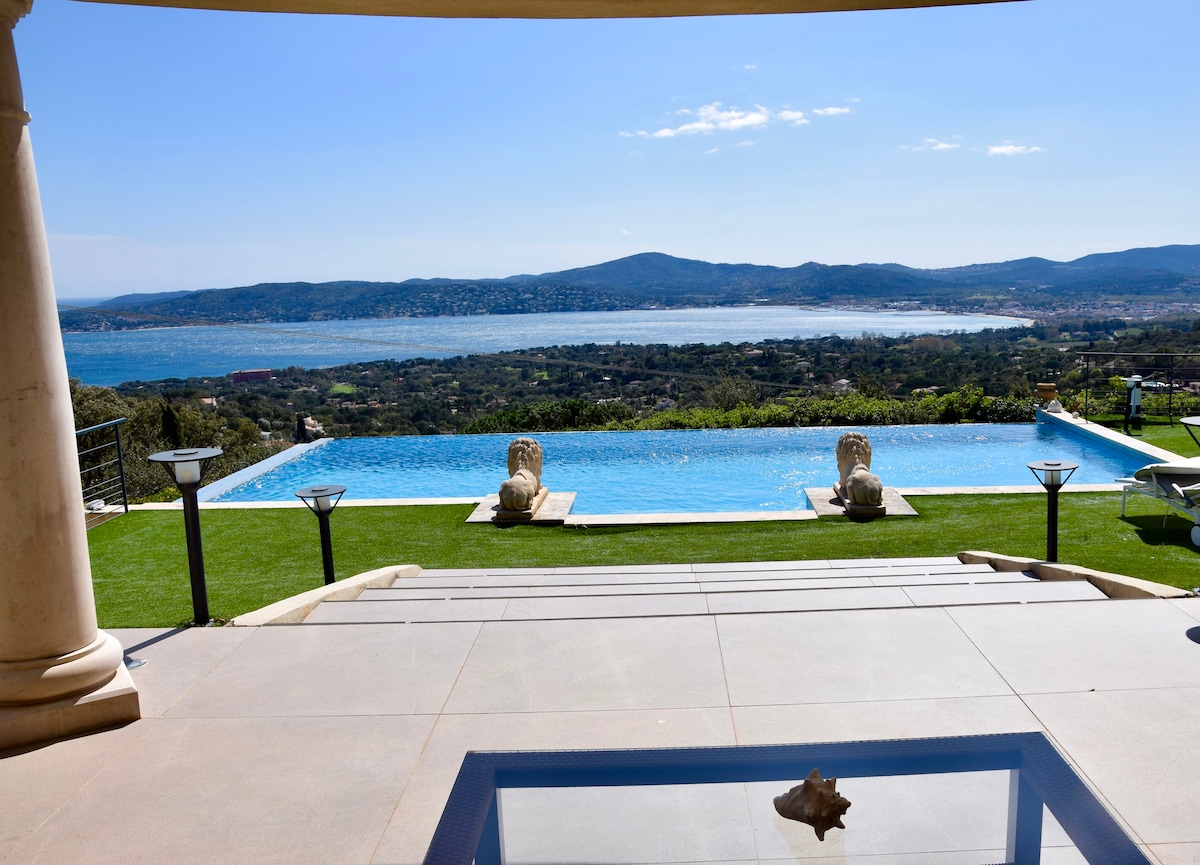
12,11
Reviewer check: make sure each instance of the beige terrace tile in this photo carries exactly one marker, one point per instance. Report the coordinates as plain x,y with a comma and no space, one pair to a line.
892,719
175,660
548,666
1080,646
1177,854
1004,593
334,670
795,565
1148,772
1191,606
609,606
814,582
807,599
852,655
402,611
420,807
766,577
35,782
212,791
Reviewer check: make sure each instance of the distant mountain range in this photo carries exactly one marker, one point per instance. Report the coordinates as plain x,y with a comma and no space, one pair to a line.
1165,274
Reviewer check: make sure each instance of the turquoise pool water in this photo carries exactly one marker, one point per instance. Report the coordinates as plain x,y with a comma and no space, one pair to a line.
689,470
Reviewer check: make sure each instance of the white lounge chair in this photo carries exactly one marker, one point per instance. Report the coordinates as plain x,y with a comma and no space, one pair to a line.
1177,484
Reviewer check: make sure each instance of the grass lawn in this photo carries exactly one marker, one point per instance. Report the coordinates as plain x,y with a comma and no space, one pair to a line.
1174,437
256,557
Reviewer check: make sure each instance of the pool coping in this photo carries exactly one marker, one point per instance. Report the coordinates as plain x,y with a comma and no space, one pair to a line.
1083,426
225,484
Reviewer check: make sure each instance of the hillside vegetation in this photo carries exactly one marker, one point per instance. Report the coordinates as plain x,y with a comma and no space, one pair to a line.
1166,276
986,376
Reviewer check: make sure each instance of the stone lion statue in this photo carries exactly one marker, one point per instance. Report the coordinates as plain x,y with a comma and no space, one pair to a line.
525,475
854,466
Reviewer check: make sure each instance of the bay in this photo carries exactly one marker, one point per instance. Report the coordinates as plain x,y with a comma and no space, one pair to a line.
114,357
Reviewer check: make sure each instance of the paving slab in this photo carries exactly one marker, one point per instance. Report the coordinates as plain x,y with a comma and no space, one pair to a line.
334,670
886,719
1037,591
948,579
1139,748
851,655
1083,646
767,575
434,593
403,611
899,561
37,781
795,565
681,519
1191,606
607,607
1177,854
797,600
827,503
240,790
547,666
766,586
672,568
176,659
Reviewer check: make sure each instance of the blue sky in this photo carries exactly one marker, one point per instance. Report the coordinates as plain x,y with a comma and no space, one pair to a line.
182,149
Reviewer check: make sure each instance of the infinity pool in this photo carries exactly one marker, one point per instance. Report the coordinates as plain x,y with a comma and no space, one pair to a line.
688,470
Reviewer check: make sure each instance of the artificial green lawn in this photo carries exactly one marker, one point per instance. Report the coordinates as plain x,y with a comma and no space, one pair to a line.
257,556
1173,437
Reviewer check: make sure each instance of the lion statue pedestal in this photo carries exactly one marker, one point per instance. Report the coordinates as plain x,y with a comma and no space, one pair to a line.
860,491
522,494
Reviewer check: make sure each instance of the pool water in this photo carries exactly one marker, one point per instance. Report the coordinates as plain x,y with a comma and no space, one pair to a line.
689,470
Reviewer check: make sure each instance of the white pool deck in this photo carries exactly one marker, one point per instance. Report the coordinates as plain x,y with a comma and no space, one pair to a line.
337,740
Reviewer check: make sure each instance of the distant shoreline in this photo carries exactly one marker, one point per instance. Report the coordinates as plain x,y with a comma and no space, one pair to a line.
1024,316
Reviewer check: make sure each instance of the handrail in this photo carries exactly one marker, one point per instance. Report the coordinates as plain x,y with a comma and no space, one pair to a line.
100,426
106,488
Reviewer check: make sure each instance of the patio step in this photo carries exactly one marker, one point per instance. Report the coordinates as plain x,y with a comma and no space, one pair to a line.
523,594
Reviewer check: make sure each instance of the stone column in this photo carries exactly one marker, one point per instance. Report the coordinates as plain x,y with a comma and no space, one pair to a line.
58,674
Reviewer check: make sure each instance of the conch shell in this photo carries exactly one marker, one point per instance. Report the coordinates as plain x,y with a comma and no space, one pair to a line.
815,802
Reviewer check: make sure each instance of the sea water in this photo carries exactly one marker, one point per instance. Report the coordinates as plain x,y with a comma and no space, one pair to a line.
113,357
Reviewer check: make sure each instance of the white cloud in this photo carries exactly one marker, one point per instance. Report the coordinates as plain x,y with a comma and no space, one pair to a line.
852,99
751,66
715,117
932,144
829,112
711,151
1007,149
745,144
624,232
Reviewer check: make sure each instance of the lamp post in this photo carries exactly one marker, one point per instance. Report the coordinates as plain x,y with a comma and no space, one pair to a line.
321,501
1052,474
1133,401
185,468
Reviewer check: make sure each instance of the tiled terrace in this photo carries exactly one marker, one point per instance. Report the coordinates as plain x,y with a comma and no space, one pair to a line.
337,740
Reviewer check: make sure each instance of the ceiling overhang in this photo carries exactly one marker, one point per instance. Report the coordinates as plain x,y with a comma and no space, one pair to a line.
546,8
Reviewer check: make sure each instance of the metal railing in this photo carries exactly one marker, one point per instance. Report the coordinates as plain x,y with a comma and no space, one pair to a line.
102,472
1167,376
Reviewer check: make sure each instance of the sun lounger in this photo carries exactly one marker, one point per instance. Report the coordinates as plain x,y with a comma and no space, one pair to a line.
1177,484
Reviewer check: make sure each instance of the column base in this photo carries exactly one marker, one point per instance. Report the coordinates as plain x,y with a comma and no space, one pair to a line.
110,705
